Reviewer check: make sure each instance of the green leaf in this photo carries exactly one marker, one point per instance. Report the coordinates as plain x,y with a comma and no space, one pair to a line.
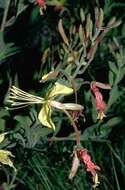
7,50
114,95
113,67
111,78
21,7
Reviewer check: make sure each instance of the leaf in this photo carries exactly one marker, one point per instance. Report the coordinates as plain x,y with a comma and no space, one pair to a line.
101,17
89,133
45,116
81,33
121,75
114,121
59,89
106,128
113,67
21,7
114,95
4,158
7,50
82,15
87,27
111,78
62,33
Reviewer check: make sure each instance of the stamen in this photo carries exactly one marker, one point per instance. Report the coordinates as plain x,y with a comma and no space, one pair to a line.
15,108
16,91
21,98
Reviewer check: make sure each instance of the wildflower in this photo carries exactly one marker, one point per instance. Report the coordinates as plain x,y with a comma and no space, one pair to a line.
100,104
19,98
90,166
4,154
86,159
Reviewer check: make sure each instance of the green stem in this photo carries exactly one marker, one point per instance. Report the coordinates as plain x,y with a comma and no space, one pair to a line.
73,139
115,174
115,154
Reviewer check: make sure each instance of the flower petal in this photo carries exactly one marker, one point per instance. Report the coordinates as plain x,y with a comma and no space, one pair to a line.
2,137
4,158
45,116
59,89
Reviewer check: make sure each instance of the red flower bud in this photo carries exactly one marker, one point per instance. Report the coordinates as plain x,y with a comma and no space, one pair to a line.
86,159
100,104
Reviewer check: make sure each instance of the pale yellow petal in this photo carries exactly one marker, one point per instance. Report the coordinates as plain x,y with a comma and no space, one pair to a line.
2,136
4,158
60,89
45,116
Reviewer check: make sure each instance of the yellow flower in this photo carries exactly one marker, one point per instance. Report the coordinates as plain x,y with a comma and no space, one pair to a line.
19,98
4,154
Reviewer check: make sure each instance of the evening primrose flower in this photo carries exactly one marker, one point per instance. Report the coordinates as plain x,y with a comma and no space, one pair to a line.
19,98
100,104
5,154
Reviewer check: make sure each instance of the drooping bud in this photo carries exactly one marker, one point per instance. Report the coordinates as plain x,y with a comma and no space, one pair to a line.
75,165
86,159
100,104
